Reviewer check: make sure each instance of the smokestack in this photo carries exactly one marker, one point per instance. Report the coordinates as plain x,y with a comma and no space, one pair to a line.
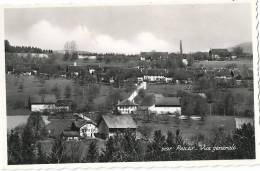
180,47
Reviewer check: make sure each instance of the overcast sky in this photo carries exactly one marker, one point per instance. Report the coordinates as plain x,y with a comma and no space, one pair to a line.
131,29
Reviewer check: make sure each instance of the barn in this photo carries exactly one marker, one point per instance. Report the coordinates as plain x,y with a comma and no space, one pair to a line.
116,124
166,105
41,103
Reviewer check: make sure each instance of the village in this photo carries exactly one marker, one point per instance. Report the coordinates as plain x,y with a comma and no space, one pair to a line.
98,96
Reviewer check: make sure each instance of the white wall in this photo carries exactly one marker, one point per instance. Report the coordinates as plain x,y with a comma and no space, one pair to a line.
127,110
164,110
90,129
42,107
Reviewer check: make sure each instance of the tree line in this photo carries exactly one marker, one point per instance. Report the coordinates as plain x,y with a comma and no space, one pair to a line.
24,49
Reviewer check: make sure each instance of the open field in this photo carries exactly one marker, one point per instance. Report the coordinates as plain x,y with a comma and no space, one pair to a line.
221,64
17,99
14,121
166,89
189,128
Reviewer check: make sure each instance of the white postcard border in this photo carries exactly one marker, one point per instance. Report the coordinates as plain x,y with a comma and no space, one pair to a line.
200,163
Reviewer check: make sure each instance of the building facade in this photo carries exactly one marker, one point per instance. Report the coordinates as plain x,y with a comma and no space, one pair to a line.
166,105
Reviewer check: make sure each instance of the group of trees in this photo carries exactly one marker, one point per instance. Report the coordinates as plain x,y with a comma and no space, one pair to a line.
126,148
71,52
24,49
22,141
193,104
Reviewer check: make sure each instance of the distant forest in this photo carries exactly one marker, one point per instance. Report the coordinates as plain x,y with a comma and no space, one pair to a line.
24,49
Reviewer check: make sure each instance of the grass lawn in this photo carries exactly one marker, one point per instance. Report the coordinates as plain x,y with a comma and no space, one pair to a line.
189,128
17,100
165,89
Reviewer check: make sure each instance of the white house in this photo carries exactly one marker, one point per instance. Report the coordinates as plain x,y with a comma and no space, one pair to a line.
127,107
166,105
86,128
49,103
154,78
42,103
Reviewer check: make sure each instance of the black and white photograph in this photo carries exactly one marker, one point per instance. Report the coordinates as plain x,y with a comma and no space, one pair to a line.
130,83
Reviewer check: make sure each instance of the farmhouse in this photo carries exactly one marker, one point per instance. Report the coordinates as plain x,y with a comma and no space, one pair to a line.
48,102
42,103
166,105
219,53
127,107
85,128
113,124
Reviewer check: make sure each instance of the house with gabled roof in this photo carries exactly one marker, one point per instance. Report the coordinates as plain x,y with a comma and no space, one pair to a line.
49,103
219,53
166,105
86,128
111,125
127,107
40,103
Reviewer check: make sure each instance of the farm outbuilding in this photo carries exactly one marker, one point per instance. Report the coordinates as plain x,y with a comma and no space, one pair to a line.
166,105
111,125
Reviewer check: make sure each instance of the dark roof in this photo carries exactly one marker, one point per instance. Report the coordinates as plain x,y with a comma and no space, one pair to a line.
126,102
63,102
167,101
70,134
56,126
220,52
81,122
43,99
119,121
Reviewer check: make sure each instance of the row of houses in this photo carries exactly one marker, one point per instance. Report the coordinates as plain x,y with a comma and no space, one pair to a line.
84,128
